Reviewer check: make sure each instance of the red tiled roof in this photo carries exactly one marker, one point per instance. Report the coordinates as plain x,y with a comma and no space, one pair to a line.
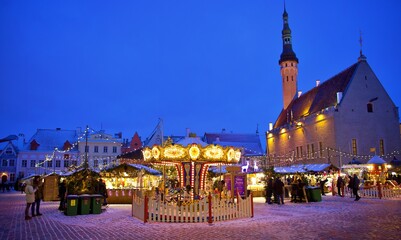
318,98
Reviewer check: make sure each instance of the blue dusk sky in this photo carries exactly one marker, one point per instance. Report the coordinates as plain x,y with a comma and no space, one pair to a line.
204,65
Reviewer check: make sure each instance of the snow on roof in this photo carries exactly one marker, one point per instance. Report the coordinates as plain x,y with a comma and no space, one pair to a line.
146,168
303,168
191,140
48,139
249,141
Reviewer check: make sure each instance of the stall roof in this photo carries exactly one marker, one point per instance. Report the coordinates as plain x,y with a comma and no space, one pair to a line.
146,168
301,168
346,166
290,169
136,167
376,160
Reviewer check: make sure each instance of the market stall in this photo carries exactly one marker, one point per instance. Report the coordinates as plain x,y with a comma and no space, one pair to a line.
122,180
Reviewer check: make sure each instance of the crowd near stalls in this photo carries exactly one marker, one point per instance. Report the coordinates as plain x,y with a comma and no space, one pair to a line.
375,171
301,183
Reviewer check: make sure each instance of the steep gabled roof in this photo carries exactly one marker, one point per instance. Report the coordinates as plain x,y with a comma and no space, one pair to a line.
250,142
318,98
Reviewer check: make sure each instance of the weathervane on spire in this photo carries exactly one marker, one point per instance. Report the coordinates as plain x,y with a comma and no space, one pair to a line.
361,56
360,42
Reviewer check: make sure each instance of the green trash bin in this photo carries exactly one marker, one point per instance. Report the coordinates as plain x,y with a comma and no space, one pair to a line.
96,203
72,205
84,204
314,194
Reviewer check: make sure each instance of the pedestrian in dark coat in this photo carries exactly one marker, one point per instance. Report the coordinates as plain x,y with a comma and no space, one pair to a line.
62,189
356,187
340,185
269,191
278,189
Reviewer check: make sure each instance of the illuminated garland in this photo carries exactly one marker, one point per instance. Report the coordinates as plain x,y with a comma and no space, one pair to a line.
312,155
194,152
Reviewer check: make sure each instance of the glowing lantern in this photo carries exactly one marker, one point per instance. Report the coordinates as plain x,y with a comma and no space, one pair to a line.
194,152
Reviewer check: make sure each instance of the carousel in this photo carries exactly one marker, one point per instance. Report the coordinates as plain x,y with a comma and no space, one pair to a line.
191,158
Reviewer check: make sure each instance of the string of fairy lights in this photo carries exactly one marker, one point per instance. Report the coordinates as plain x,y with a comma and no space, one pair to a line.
328,153
100,162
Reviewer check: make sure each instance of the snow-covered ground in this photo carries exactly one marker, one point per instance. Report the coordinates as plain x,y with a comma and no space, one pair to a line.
332,218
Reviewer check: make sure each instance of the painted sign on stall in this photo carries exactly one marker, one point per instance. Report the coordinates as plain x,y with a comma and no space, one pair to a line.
239,184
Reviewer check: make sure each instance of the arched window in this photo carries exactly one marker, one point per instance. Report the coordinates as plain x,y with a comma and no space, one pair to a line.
370,107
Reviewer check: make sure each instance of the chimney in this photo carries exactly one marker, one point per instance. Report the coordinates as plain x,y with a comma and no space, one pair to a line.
317,83
299,93
339,97
270,126
188,131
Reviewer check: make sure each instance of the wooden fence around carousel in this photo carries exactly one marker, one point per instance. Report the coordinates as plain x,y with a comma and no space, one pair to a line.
207,210
377,192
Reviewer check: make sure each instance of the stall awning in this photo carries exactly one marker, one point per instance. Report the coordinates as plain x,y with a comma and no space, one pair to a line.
301,168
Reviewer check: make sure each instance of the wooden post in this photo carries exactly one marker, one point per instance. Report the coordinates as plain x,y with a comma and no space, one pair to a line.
251,205
210,209
306,197
380,189
146,213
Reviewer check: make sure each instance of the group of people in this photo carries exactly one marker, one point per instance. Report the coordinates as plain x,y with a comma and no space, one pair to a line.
34,195
276,189
352,182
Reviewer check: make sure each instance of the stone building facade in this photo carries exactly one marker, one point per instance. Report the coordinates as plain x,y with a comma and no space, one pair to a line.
349,116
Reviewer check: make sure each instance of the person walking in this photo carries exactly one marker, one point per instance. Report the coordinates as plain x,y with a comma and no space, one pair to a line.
340,186
38,185
30,198
356,187
62,189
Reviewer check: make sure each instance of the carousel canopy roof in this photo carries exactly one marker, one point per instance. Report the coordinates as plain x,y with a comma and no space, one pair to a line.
212,153
376,160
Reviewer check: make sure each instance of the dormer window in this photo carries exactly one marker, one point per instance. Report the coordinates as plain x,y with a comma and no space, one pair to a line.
9,151
34,145
370,107
67,145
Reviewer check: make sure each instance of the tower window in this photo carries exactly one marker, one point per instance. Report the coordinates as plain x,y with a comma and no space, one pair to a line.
292,78
354,147
287,78
381,147
370,107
